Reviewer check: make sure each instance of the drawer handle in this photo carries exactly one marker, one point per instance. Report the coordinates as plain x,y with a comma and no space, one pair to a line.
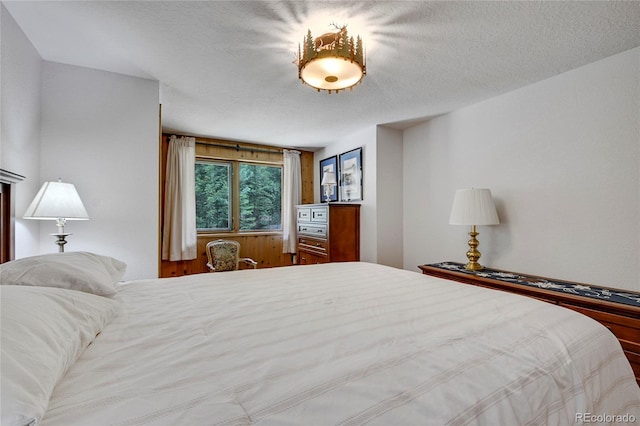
318,244
319,231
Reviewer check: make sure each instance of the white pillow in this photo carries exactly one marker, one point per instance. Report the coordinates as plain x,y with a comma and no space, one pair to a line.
43,331
83,271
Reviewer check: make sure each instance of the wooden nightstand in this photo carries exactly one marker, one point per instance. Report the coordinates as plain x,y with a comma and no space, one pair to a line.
616,309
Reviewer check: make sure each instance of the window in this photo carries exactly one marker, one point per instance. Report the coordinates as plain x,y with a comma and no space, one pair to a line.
256,204
260,197
213,196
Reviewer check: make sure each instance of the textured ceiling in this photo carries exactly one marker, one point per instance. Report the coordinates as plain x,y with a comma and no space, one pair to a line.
226,67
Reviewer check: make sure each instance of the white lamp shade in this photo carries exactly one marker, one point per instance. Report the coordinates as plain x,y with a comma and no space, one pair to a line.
57,200
473,207
329,178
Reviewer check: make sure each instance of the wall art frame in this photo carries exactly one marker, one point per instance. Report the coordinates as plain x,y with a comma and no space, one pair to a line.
351,179
329,164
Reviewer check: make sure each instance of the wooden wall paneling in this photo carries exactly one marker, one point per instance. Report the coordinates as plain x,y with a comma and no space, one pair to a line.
306,166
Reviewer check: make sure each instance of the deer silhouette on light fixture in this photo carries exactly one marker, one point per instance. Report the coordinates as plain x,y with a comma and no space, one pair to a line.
328,41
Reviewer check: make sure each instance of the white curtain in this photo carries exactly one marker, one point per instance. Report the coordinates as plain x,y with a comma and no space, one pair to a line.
291,196
179,235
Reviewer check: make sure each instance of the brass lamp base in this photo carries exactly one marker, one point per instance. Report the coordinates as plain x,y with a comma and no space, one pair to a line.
473,266
473,254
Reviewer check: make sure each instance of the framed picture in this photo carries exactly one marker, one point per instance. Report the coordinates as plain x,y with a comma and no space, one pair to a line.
351,175
330,192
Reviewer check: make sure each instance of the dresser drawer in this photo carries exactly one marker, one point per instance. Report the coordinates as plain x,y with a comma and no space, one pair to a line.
305,243
306,258
317,229
634,361
304,214
319,214
626,329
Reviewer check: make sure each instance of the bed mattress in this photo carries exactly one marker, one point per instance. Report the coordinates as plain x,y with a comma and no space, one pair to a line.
341,344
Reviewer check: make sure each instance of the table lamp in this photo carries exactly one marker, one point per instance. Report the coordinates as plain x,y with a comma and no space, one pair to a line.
473,207
328,182
57,201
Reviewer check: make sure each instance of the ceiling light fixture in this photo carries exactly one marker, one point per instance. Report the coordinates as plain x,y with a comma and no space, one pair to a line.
332,62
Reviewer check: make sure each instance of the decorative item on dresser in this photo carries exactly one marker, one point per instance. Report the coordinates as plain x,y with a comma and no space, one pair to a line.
616,309
328,233
328,182
329,179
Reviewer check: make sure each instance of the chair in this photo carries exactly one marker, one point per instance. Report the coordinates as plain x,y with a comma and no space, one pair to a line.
223,255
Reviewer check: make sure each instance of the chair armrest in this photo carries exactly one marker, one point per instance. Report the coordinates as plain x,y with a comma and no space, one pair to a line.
250,261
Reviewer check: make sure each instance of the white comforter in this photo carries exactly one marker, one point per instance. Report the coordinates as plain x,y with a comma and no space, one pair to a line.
341,344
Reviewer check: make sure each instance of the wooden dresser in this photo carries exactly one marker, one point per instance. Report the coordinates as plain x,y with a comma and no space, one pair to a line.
618,310
328,233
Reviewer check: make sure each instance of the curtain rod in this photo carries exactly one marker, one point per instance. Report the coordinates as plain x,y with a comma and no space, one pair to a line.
238,147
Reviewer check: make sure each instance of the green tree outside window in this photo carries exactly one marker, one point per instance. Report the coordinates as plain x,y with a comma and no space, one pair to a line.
259,197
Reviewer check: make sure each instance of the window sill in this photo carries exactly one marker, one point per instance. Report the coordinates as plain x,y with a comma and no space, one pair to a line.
222,234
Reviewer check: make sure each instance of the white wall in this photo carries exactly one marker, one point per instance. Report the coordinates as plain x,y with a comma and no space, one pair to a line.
562,158
95,129
381,208
390,194
366,139
21,70
100,131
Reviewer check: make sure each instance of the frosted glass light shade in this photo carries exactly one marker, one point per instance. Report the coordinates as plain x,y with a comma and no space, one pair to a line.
331,73
57,200
473,207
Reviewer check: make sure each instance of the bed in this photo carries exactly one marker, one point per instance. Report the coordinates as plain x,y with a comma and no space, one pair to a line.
335,344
